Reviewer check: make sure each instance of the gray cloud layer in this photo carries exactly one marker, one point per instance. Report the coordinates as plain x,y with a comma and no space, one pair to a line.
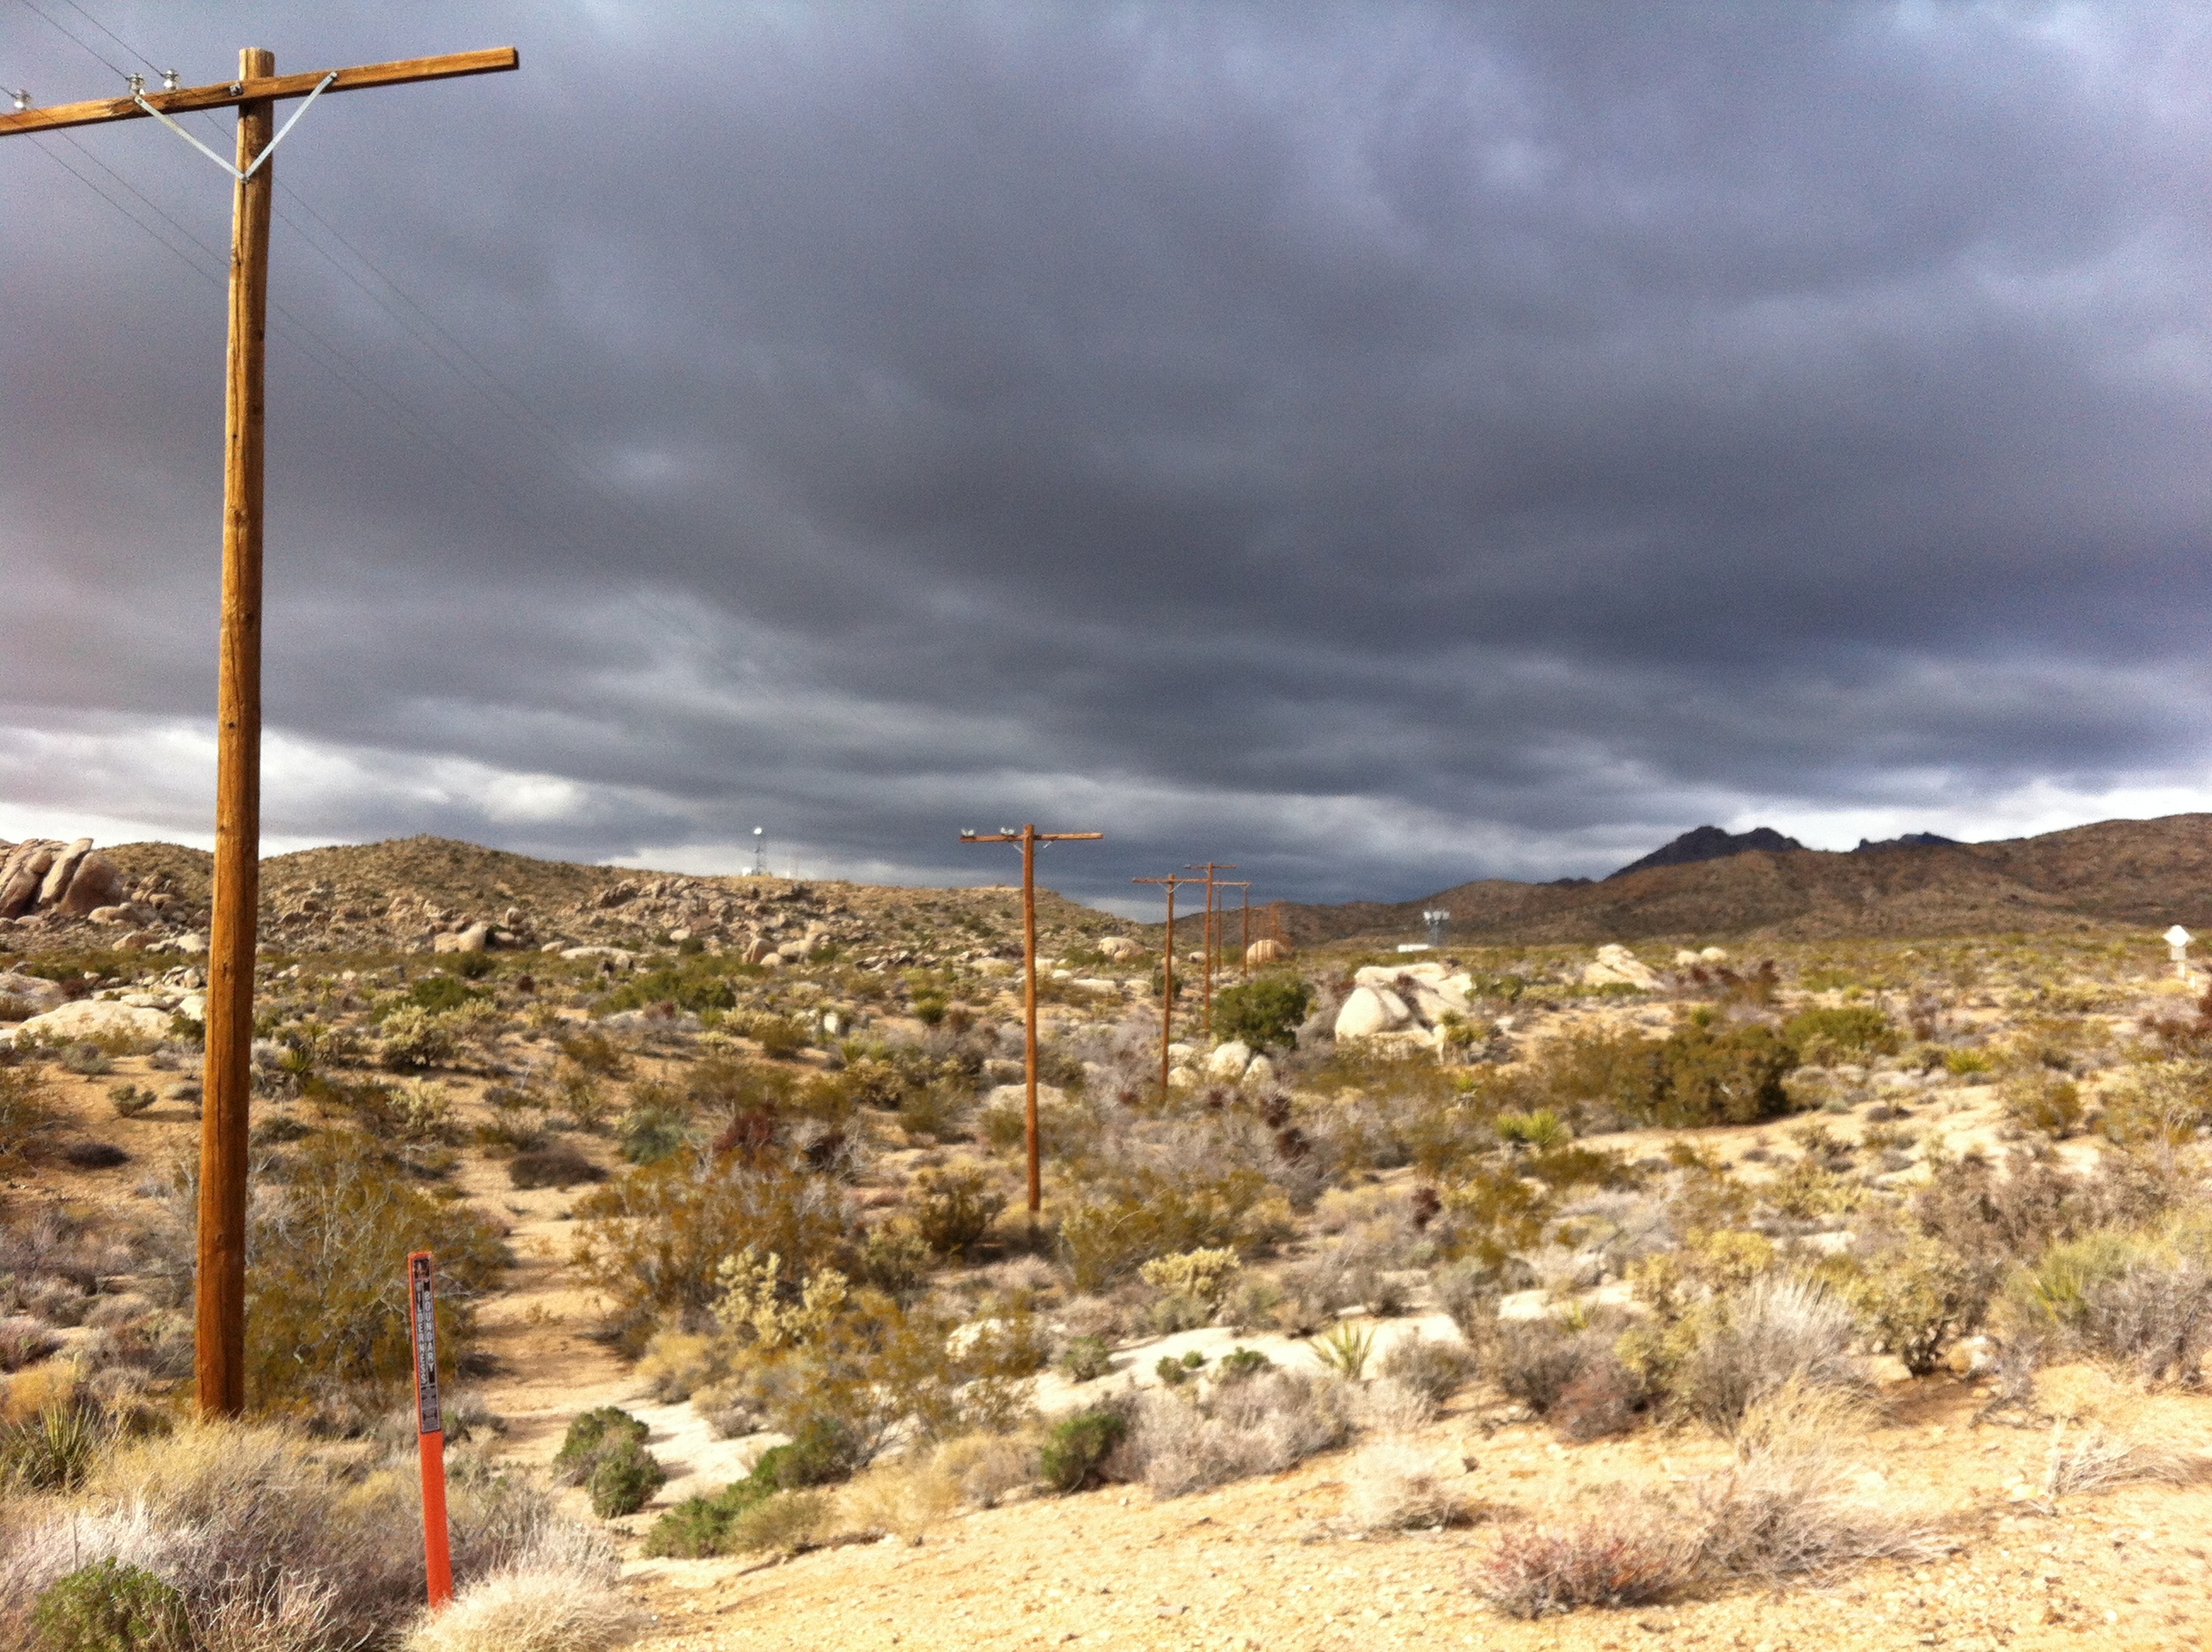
1380,444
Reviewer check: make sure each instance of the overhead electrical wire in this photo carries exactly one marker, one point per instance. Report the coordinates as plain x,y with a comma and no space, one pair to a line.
511,405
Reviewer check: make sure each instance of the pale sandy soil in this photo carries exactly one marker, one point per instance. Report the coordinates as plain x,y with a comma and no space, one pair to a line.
1264,1564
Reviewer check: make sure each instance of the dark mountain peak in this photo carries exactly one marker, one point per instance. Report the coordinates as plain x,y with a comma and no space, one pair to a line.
1911,840
1709,842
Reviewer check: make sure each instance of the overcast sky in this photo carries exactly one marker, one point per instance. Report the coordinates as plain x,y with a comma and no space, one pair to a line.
1377,444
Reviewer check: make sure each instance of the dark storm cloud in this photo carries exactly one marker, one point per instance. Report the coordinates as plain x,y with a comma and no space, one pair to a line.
1382,444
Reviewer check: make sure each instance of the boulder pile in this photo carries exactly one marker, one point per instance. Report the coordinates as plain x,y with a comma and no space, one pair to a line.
1617,966
1407,1000
43,881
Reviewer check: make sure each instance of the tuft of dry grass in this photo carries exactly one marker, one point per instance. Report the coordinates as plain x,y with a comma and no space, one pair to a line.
563,1595
1397,1486
904,1499
2100,1459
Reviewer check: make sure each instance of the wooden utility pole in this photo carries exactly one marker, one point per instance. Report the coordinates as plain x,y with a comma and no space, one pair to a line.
1029,837
1210,868
1244,926
1167,971
220,1282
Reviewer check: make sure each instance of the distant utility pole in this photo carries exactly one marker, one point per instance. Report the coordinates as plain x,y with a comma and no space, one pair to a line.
219,1283
1210,868
1244,926
760,852
1029,837
1167,971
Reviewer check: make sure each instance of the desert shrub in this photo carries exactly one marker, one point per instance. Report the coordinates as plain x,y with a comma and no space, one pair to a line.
1818,1037
591,1435
726,1522
326,1254
656,1125
1123,1219
650,1241
1739,1347
783,1524
556,1166
780,1037
1913,1299
953,1208
1261,1425
1604,1399
1265,1013
413,1037
1204,1276
2099,1459
937,1112
1086,1358
110,1607
89,1154
1074,1453
903,1499
25,1341
594,1052
2160,1107
1714,1075
130,1100
1786,1508
988,1468
28,1115
2044,1100
87,1060
1173,1373
1430,1367
1396,1485
1633,1556
270,1545
1534,1360
624,1477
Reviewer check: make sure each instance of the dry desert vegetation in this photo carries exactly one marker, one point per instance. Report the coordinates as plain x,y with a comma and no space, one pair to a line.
1766,1294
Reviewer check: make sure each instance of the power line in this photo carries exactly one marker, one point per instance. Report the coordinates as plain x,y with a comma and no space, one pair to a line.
64,29
110,34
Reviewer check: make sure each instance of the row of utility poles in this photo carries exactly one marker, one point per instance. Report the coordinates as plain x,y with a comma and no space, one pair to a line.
1029,838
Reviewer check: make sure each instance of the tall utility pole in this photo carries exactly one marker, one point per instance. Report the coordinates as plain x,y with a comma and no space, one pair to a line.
1244,926
1210,868
219,1283
1029,837
1167,971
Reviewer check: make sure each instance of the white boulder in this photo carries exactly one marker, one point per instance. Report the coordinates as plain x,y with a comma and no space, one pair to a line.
22,996
1261,1072
96,1019
1370,1010
1715,954
1617,966
1230,1060
1120,948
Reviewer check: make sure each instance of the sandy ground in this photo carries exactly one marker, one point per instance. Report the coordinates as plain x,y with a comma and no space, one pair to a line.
1267,1564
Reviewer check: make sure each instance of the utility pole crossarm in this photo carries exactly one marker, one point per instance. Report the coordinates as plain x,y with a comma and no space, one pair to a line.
261,89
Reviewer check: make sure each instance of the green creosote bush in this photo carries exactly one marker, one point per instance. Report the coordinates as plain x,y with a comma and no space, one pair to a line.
110,1607
1125,1215
1705,1071
1265,1013
1240,1363
27,1114
1962,1064
780,1037
323,1309
1086,1358
594,1052
590,1434
952,1210
438,993
1175,1372
1821,1037
1074,1453
938,1112
727,1522
411,1037
130,1100
1913,1299
623,1479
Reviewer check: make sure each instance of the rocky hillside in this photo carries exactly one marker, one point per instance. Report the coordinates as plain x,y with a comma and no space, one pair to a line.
425,893
2146,874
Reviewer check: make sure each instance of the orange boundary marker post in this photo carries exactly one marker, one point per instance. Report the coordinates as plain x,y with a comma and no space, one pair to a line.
422,1324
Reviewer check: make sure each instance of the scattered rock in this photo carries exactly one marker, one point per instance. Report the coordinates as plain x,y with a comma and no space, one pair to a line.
1617,966
1370,1010
23,995
1230,1060
1120,948
1268,950
96,1019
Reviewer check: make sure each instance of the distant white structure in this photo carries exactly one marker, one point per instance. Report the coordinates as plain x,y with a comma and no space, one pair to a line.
1436,918
760,852
2177,940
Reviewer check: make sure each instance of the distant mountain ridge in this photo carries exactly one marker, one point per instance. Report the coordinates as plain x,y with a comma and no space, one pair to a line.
1709,842
2146,873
